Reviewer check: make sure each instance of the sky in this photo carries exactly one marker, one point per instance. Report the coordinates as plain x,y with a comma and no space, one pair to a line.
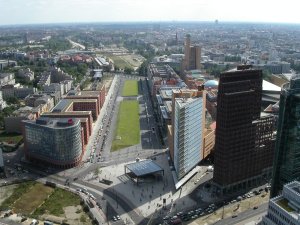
73,11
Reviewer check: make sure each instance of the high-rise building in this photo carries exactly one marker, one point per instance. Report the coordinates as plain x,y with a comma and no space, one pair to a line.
244,139
56,142
284,209
192,55
287,151
188,124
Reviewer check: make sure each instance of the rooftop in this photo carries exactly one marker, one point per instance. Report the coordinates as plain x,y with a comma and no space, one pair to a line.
58,123
144,167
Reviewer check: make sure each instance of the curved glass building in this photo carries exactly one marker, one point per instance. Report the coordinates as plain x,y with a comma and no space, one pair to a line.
57,142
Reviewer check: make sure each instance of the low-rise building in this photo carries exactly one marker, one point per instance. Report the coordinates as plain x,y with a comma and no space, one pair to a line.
284,209
2,102
7,78
17,91
26,74
6,63
13,123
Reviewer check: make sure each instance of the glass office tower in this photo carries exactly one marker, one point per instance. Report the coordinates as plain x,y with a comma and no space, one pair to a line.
287,151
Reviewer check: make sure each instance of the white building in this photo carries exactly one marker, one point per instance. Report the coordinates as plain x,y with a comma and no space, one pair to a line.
189,119
2,102
284,209
26,74
7,78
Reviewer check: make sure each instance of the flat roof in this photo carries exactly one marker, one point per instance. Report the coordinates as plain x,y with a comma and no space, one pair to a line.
66,113
85,93
83,100
144,167
267,86
62,105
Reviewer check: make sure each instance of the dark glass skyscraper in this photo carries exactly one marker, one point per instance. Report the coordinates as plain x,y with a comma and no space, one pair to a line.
287,150
244,146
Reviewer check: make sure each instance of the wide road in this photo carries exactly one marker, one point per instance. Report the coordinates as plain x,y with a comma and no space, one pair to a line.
244,215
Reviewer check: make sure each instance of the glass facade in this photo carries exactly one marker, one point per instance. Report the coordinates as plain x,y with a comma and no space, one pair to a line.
287,151
55,144
187,134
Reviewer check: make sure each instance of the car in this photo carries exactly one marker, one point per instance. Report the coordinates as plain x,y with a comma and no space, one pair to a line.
92,196
153,130
186,218
166,218
78,190
233,216
174,217
34,222
114,218
23,218
179,213
255,207
75,178
118,217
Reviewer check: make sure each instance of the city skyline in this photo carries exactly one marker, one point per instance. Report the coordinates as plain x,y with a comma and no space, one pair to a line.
41,11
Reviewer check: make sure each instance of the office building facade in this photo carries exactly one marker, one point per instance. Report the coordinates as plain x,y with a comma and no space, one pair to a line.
244,145
56,142
192,55
284,209
188,125
287,150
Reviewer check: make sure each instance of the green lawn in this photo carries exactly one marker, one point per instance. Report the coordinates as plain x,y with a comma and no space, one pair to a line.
119,62
32,199
130,88
56,202
17,193
10,138
128,129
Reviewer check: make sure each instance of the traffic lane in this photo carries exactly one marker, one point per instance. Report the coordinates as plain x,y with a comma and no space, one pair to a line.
244,215
123,202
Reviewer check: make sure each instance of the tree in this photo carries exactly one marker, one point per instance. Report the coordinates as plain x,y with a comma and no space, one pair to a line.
143,68
13,100
128,70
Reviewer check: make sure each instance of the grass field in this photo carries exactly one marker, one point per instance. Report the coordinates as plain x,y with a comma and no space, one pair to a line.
17,193
119,62
56,202
10,138
128,128
33,198
130,88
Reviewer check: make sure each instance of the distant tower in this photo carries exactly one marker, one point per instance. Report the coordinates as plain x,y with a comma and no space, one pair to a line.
287,151
192,55
216,22
176,38
187,49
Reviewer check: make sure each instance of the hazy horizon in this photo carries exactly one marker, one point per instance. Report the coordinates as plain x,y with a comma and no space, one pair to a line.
30,12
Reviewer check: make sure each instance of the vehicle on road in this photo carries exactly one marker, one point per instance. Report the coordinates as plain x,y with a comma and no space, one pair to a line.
153,130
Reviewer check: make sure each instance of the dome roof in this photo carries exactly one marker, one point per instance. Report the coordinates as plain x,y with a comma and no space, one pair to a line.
211,83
